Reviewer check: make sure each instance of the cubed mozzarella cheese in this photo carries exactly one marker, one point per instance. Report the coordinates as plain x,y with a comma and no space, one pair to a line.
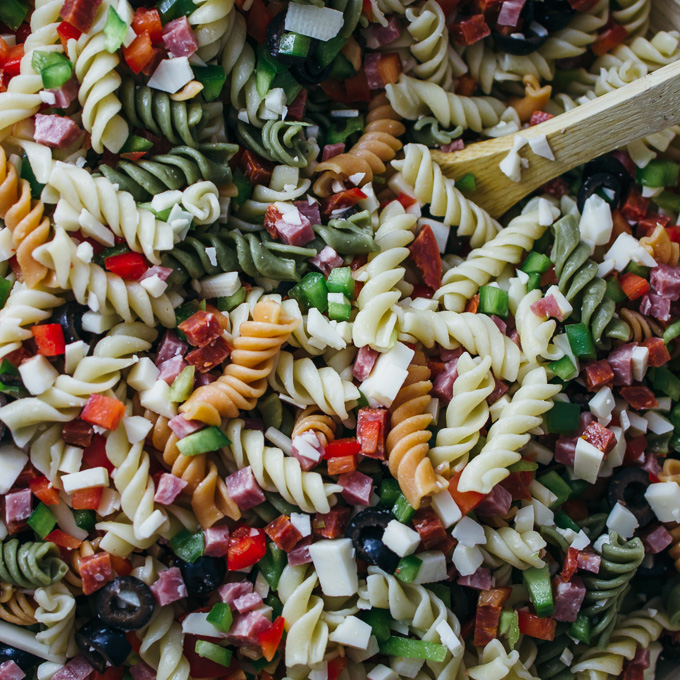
602,404
621,251
524,519
587,461
85,479
143,375
622,521
157,399
658,424
352,632
433,567
197,624
171,75
448,637
400,538
302,523
446,508
664,499
382,672
155,286
136,428
469,533
336,567
596,221
388,375
640,357
38,374
467,559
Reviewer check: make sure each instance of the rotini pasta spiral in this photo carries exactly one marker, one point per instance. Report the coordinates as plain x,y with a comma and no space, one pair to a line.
521,550
641,327
430,186
162,645
578,280
210,21
279,473
670,471
582,31
461,283
378,143
57,612
15,606
24,218
662,49
252,360
510,432
312,420
606,590
660,247
466,414
278,141
493,660
102,291
407,442
634,15
535,333
179,168
30,564
428,131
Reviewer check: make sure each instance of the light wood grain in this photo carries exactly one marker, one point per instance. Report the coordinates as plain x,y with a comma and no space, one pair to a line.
664,15
648,105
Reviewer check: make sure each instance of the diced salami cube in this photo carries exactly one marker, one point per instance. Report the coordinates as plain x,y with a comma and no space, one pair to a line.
216,541
568,599
547,307
330,524
80,13
356,487
57,132
600,437
665,280
76,669
424,252
169,487
588,561
230,592
300,554
181,427
95,571
201,328
658,352
141,671
429,527
245,628
499,390
497,502
598,374
312,213
170,346
248,602
213,354
565,450
65,95
169,587
656,539
244,489
620,361
639,397
171,368
78,433
364,362
17,506
331,151
482,579
326,260
442,386
372,442
283,533
307,448
179,38
656,306
9,670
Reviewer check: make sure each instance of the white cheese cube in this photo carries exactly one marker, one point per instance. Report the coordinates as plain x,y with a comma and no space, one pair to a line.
621,251
605,268
406,668
93,322
47,670
302,523
85,252
85,479
369,203
546,216
381,672
448,637
261,585
581,541
388,375
38,374
524,519
336,567
587,461
439,229
157,399
658,424
543,493
467,559
511,166
663,404
171,75
640,357
469,533
433,567
446,508
622,521
616,455
642,257
154,286
400,538
538,453
71,459
361,655
602,404
352,632
638,424
596,221
12,462
565,306
543,514
319,673
136,428
664,499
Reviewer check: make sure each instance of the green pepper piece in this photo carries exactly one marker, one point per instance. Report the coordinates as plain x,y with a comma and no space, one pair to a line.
339,311
523,466
55,75
564,368
563,521
221,617
135,144
668,200
537,582
231,302
213,78
85,519
664,381
581,629
536,263
245,188
290,86
562,418
314,290
327,51
638,269
42,521
187,546
213,652
534,281
10,380
509,625
552,481
341,131
5,288
115,31
342,68
183,385
271,566
466,183
340,281
413,649
402,510
408,568
494,300
389,492
13,13
174,9
203,441
581,341
379,620
294,44
658,173
614,291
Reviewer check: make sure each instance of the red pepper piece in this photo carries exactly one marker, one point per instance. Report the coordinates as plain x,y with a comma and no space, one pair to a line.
357,89
334,667
121,566
67,32
49,338
63,540
639,397
472,305
129,266
633,286
465,500
341,201
247,546
12,65
371,431
608,39
570,565
424,252
342,447
270,639
201,328
139,52
148,21
95,454
42,489
87,499
635,449
283,533
518,486
271,217
429,527
533,626
96,571
342,465
406,200
103,411
257,21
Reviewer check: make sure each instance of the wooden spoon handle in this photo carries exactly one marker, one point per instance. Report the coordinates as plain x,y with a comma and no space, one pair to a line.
646,106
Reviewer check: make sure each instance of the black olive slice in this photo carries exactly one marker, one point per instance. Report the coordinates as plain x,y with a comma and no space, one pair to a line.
27,662
69,317
311,73
126,603
593,183
527,39
204,575
102,645
628,486
554,15
609,165
366,529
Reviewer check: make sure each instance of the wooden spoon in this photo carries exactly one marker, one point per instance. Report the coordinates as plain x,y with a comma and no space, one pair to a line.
646,106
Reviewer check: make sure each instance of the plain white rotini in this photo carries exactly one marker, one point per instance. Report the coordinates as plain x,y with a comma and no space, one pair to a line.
332,334
50,454
211,22
466,413
279,473
483,264
24,307
382,7
161,647
476,333
581,32
102,291
521,550
634,15
202,200
430,186
495,662
660,50
76,190
412,98
306,385
510,432
57,612
535,332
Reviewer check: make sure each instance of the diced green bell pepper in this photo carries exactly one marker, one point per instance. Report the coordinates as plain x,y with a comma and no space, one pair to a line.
658,173
389,492
402,510
614,291
668,200
213,652
494,300
536,263
294,44
203,441
537,582
231,302
413,649
509,625
563,521
327,51
664,381
221,617
408,568
553,482
340,281
564,368
562,418
379,620
10,380
54,68
42,521
466,183
135,144
523,466
341,131
271,566
174,9
212,77
183,385
638,269
581,629
581,341
13,13
245,188
115,31
85,519
5,288
311,292
187,546
534,281
28,174
671,332
674,417
339,309
342,68
290,86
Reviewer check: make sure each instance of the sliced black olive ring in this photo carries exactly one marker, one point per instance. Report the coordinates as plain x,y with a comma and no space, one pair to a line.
204,575
102,645
628,486
366,529
126,603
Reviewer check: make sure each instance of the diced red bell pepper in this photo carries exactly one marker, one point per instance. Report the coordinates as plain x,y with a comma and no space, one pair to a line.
283,533
247,546
335,667
96,571
342,465
133,155
576,508
42,489
535,627
487,619
639,397
609,39
336,90
63,540
148,21
341,201
465,500
570,565
270,639
633,286
406,200
635,207
357,89
598,374
674,233
372,426
67,32
80,13
600,437
4,50
470,29
129,266
77,433
87,499
12,65
370,437
201,328
49,338
95,454
330,524
296,110
139,52
538,117
342,447
658,352
424,252
256,169
472,305
429,527
121,566
103,411
257,21
367,9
